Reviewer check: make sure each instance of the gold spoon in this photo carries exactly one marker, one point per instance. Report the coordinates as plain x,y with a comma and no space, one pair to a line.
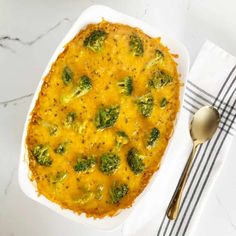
203,126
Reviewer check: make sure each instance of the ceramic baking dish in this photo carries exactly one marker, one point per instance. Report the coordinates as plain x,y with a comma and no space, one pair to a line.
94,14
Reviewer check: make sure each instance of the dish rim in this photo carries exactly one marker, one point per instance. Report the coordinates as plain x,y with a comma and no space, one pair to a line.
95,14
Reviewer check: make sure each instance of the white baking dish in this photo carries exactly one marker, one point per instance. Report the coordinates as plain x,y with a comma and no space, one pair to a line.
95,14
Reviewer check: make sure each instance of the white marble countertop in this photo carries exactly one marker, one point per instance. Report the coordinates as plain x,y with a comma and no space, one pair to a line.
29,33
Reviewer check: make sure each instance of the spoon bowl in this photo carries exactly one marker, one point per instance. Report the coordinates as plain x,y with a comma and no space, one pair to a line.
204,124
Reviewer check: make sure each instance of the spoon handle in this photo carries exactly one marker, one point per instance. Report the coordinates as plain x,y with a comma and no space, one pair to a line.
173,208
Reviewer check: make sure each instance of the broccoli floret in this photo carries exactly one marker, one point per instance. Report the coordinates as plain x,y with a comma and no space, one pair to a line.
136,45
84,163
159,56
80,128
145,104
163,102
95,40
153,136
70,119
61,148
40,152
98,191
85,197
135,161
56,180
126,85
121,139
106,117
82,87
58,177
117,192
67,75
160,79
109,162
88,194
72,123
52,128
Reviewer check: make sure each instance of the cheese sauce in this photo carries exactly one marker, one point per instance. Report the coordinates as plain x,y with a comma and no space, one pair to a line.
93,149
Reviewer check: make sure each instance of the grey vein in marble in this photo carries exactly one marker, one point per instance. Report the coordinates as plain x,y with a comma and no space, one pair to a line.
15,100
6,47
9,182
6,38
144,13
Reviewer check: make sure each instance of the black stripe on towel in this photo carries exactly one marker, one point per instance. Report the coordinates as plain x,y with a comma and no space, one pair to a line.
221,101
209,154
202,160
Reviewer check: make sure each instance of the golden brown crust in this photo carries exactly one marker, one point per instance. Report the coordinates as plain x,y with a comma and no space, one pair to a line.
105,69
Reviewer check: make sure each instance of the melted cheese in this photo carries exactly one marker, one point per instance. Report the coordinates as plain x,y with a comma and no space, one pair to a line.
76,190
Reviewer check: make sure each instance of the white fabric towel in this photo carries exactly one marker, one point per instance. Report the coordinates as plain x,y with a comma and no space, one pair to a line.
212,81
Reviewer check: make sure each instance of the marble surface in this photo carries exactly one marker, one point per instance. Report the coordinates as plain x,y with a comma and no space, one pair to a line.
30,30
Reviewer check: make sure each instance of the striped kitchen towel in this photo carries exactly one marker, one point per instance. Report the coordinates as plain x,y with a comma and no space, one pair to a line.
212,81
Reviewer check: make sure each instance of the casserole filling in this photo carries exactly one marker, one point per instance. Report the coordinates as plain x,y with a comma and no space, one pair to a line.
103,118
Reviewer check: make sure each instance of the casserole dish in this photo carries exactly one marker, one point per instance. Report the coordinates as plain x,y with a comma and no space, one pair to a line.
93,15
